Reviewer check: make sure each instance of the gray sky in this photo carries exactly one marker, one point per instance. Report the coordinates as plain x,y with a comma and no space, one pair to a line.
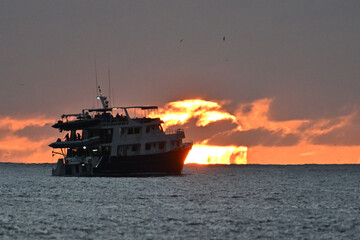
304,54
279,61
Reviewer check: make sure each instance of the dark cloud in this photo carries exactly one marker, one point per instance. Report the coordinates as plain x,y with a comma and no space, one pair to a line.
198,133
347,135
35,133
292,106
246,108
328,123
255,137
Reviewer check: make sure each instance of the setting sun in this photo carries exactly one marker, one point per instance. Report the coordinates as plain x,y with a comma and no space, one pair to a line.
206,154
205,113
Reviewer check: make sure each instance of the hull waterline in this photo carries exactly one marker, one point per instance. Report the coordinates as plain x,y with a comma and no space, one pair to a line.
169,163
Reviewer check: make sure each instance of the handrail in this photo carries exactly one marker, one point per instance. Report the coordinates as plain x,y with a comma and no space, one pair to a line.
172,131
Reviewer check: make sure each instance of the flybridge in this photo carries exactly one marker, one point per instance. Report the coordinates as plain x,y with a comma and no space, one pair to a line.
145,111
117,108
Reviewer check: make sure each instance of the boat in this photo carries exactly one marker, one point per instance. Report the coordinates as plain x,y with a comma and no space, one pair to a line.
108,141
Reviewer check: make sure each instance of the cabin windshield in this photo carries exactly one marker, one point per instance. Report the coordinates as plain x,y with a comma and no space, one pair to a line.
120,112
143,112
104,114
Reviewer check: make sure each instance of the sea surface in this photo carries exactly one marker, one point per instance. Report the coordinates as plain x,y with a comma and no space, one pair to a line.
206,202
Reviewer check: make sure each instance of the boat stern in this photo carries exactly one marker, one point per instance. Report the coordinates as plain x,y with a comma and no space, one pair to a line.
59,169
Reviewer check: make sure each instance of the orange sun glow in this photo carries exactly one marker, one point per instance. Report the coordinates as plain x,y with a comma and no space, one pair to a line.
205,113
22,143
207,154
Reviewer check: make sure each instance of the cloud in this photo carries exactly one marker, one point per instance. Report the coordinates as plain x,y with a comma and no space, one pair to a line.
25,139
10,155
256,115
255,137
345,134
14,124
205,112
251,125
248,126
211,127
4,131
200,133
35,133
303,58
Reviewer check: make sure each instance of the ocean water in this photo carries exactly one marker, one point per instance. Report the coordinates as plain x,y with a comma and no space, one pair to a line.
206,202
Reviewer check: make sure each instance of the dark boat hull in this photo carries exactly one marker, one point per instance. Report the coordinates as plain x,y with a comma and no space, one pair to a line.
168,163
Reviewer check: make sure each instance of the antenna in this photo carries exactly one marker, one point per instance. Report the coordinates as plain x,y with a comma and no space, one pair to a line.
96,79
113,101
109,85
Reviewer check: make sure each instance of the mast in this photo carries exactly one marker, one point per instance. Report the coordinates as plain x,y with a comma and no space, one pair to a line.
96,79
109,86
103,99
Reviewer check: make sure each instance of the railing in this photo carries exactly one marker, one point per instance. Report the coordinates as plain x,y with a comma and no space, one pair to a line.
187,144
172,131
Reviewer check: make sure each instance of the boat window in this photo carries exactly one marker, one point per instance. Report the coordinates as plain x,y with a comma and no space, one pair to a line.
137,130
147,146
135,147
106,135
105,150
176,143
122,150
123,131
161,145
91,133
153,128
